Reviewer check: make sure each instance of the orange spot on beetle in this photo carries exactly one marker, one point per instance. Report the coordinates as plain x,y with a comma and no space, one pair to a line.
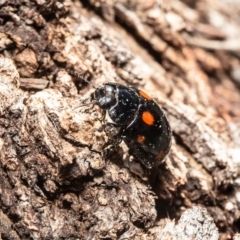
144,95
148,118
140,139
160,155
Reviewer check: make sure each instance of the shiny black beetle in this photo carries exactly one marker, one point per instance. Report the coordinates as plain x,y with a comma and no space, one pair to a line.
144,127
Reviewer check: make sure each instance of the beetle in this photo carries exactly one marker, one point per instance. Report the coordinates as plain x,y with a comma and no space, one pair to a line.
143,125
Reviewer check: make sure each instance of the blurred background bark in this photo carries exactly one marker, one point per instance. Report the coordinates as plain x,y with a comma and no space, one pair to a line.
54,182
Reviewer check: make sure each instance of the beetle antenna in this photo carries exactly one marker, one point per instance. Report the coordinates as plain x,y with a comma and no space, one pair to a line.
85,80
85,104
79,75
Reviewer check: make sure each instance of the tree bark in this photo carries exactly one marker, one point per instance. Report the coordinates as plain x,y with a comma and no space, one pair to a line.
55,181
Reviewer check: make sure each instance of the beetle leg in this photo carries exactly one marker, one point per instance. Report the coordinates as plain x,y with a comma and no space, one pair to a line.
103,115
108,125
116,142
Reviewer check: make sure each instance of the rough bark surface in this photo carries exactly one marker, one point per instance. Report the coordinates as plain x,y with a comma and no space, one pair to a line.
55,182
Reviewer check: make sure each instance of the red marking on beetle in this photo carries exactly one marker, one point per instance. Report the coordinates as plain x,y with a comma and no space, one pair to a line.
144,95
140,139
160,155
148,118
